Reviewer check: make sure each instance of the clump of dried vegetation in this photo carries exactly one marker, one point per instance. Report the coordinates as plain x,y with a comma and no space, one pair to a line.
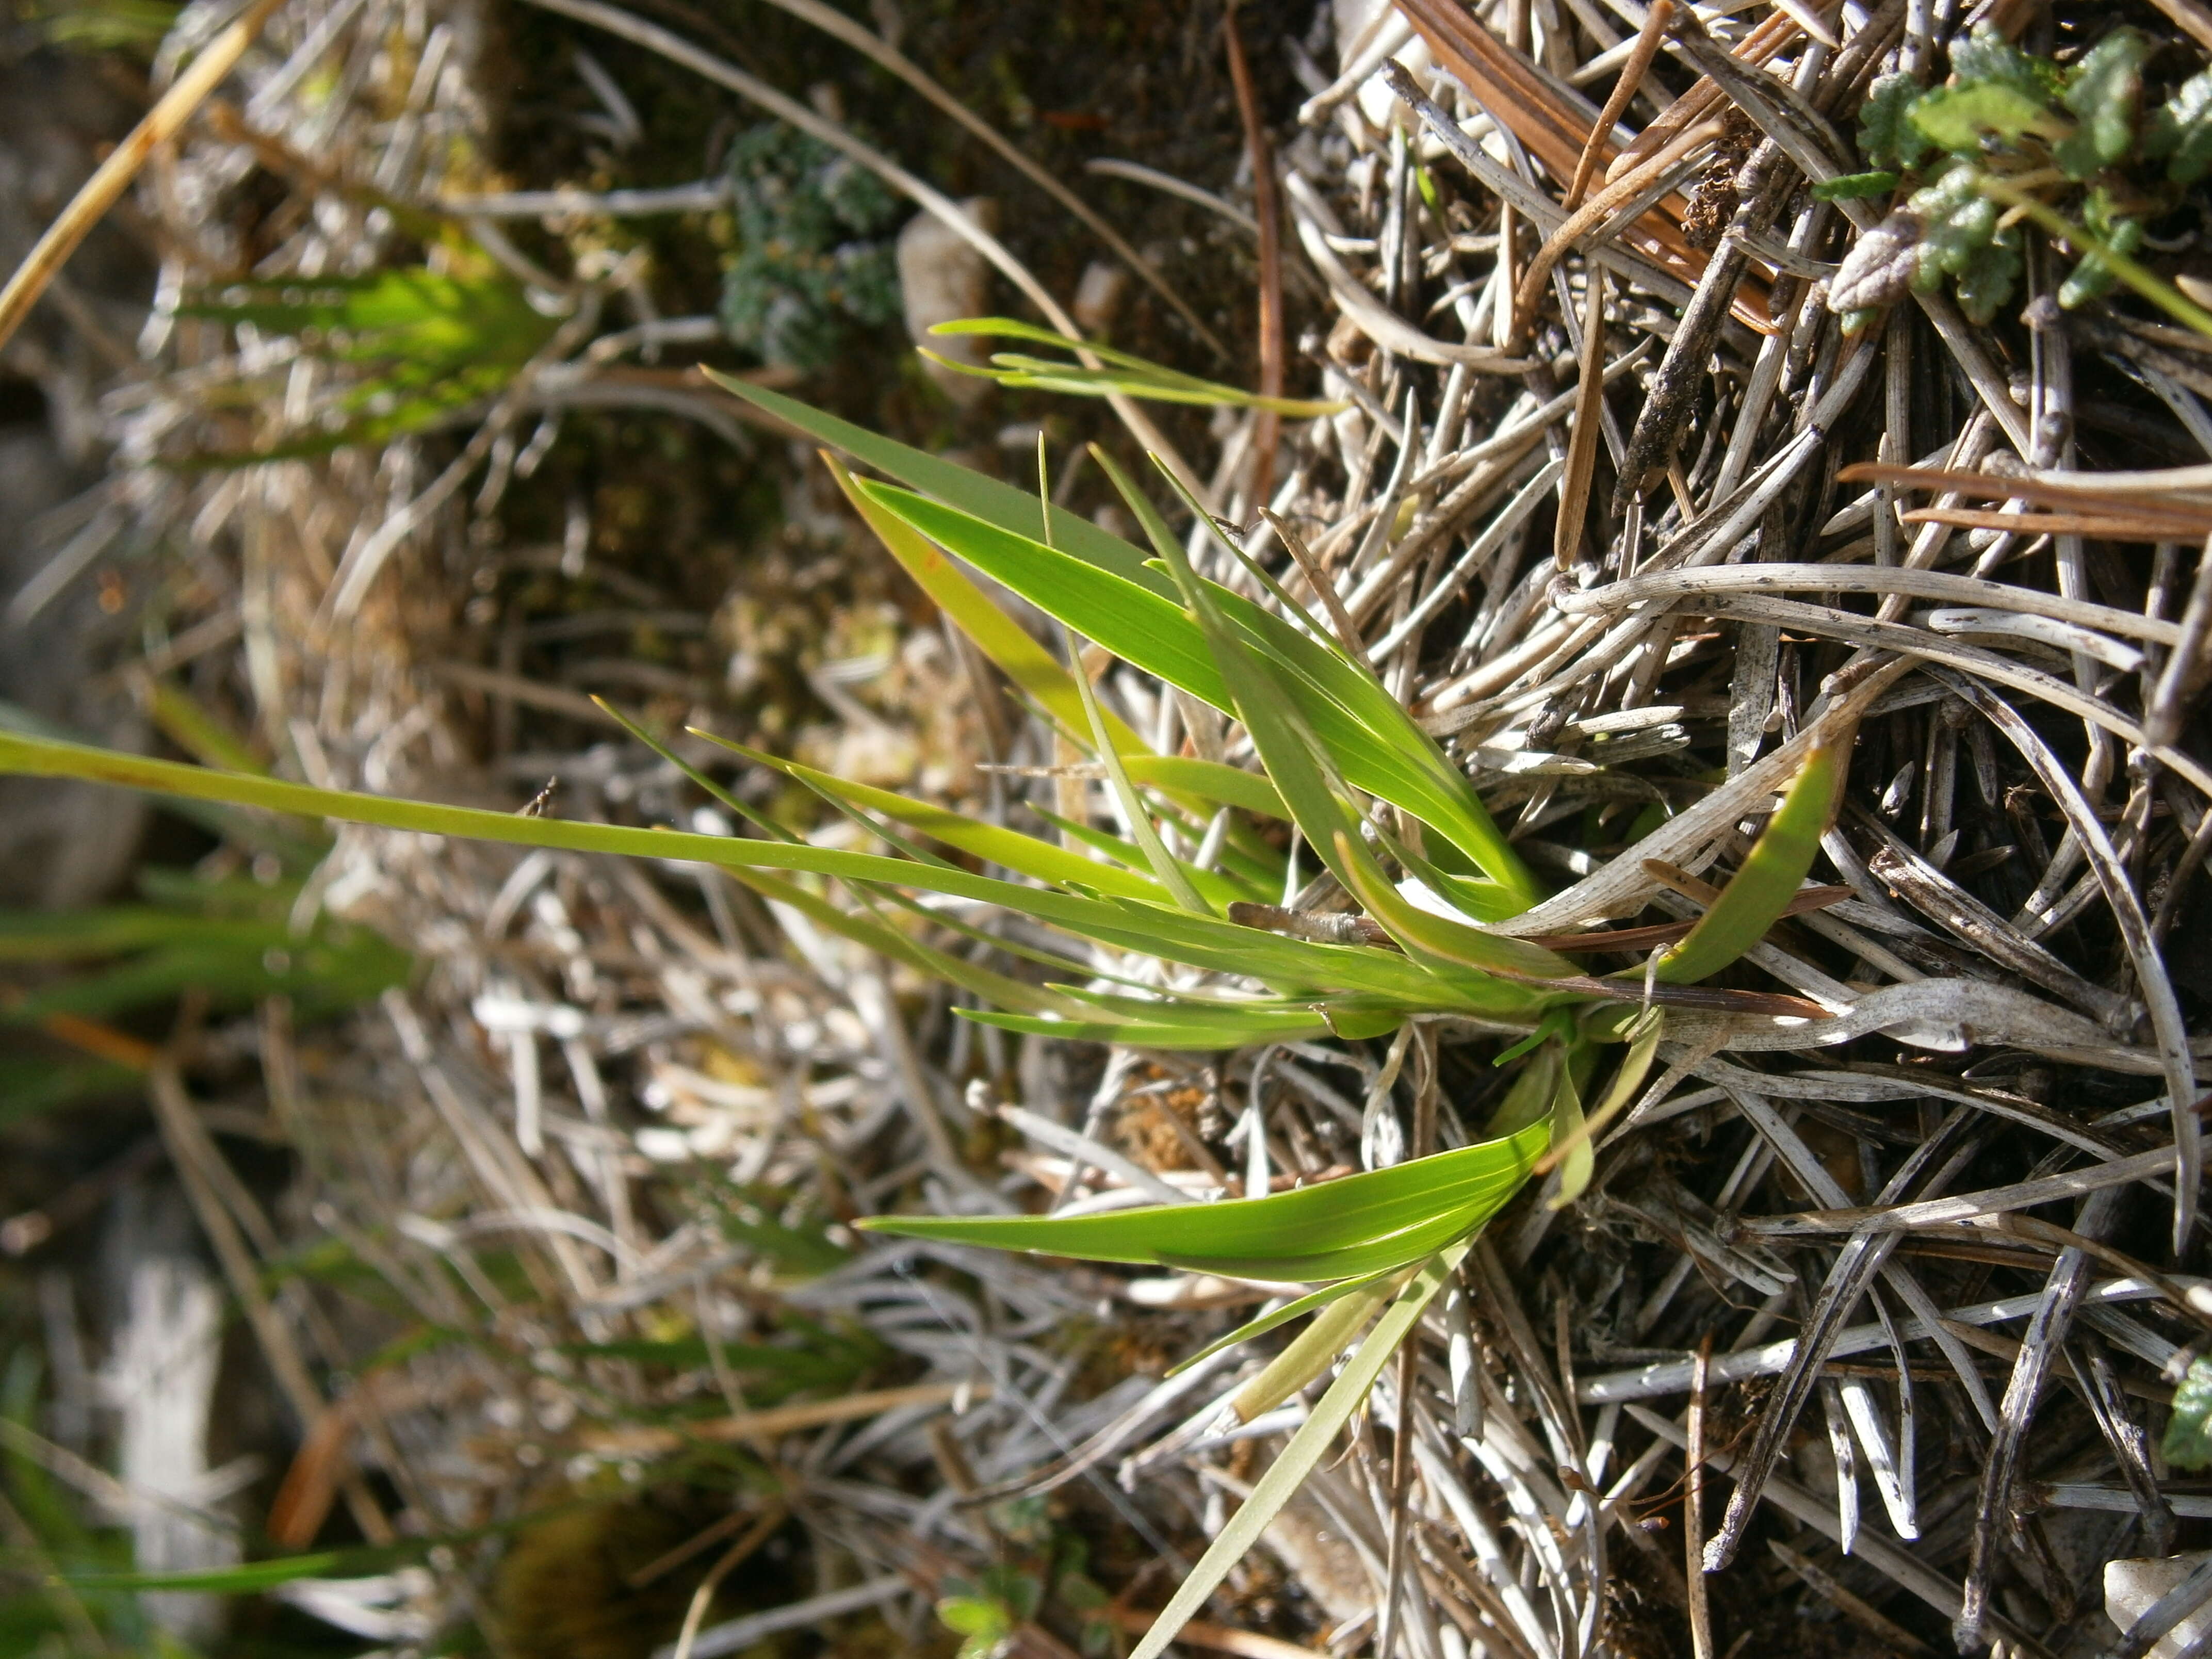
1602,391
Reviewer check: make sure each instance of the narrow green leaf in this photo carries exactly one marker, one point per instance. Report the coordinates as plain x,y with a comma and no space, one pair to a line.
998,636
1439,940
1219,891
1312,1302
1167,871
1137,377
1303,772
999,504
1134,813
1373,739
1027,855
1357,1210
868,931
1569,1141
1571,1147
1230,1031
1406,1245
189,724
1343,1310
1229,786
1758,893
745,813
1177,935
216,1581
891,943
1307,1448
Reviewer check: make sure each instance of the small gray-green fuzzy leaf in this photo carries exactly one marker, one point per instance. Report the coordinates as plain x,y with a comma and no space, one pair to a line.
1886,134
2102,92
2179,130
2094,276
1957,118
1957,222
1985,56
1879,266
1989,279
2188,1443
1856,187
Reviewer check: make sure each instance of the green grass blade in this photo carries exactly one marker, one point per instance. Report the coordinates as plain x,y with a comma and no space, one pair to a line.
1166,870
1178,935
1759,892
1440,941
1010,328
29,1087
1307,1448
1569,1141
995,503
1225,786
1293,1226
1572,1147
1028,855
1208,1026
760,820
1133,620
889,942
1139,378
868,931
188,723
1169,872
1303,772
1217,889
1337,674
997,636
1373,739
1312,1302
1344,1311
1392,1250
1234,1030
88,935
254,1576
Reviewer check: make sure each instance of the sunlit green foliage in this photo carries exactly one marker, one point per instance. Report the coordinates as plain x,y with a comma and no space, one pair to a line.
2073,147
812,259
417,346
1121,372
1331,743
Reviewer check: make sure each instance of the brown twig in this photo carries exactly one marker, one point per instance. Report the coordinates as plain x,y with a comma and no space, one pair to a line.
1266,208
99,193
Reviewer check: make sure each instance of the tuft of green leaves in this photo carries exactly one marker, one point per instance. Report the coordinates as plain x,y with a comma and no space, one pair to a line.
1962,238
1886,134
2012,135
421,345
814,257
231,941
1333,745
